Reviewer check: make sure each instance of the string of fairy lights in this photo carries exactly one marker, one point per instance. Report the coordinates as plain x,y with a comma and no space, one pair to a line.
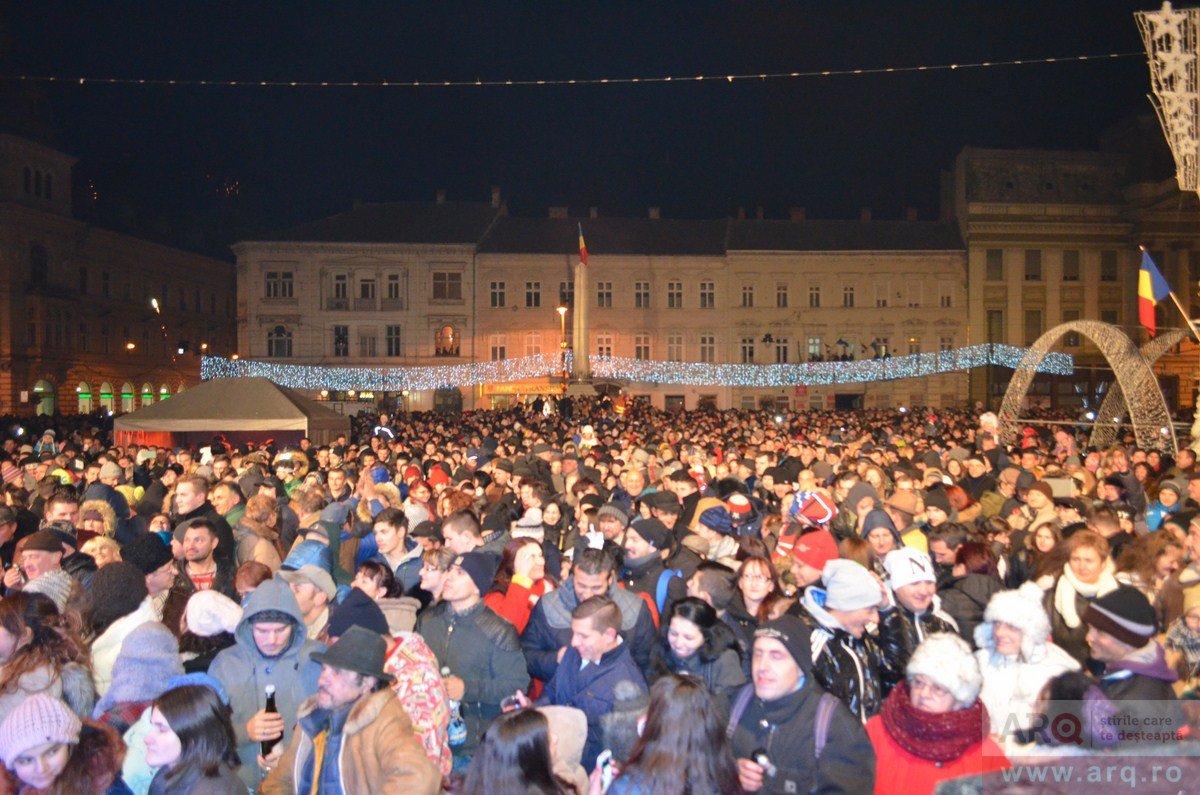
731,77
416,379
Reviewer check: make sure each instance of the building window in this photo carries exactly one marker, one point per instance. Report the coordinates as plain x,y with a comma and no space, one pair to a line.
446,342
341,340
366,345
674,347
708,295
914,345
708,348
781,296
914,294
366,289
1110,316
995,325
1071,339
1108,265
393,287
566,294
747,350
394,341
995,265
848,296
498,346
604,295
533,343
945,295
881,295
1033,265
641,295
341,288
279,284
946,344
447,286
641,347
497,295
747,295
533,295
674,295
814,296
1071,265
604,345
279,343
781,351
814,349
1033,325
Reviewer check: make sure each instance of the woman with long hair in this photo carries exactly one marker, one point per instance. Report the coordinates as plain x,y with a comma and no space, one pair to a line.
520,582
975,583
1148,561
192,743
695,641
48,750
1028,562
757,587
515,757
40,653
683,749
968,508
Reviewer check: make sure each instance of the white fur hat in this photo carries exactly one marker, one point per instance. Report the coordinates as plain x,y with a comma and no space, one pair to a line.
947,660
1021,609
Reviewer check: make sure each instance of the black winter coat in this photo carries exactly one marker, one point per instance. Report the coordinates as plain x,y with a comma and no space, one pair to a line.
901,631
967,598
856,670
784,729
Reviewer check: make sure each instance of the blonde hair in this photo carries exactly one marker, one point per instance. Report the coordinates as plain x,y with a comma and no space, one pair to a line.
94,545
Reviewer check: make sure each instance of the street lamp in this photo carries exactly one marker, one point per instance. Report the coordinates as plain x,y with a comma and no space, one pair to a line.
562,344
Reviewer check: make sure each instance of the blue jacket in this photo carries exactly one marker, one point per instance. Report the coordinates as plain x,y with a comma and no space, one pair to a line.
549,628
590,689
102,491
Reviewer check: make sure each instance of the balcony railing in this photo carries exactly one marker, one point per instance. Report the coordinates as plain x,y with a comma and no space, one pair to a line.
337,304
391,304
364,304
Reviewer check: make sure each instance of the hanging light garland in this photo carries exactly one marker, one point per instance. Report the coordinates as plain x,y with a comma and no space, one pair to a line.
395,379
562,81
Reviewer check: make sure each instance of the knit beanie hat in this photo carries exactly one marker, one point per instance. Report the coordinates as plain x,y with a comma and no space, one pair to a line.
210,613
906,565
1125,614
857,492
149,657
480,567
611,510
654,532
110,470
117,590
37,720
849,586
56,584
1043,487
818,509
202,679
794,634
1021,609
717,519
1173,485
937,498
947,661
358,610
879,518
815,549
148,553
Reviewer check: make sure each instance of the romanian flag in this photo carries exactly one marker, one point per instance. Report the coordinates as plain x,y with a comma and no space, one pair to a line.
582,247
1152,288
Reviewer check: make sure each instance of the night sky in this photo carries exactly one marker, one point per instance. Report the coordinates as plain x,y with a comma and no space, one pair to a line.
165,160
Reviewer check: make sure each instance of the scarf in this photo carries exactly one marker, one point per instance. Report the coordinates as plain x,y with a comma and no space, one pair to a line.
934,737
1069,585
1178,637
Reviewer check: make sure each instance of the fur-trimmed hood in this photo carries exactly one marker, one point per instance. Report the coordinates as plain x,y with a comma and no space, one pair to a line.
1023,609
106,513
362,714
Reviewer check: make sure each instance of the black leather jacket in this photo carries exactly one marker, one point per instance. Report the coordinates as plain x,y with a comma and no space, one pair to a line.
856,670
901,630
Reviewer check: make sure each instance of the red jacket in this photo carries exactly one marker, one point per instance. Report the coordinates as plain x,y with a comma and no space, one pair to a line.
896,770
516,604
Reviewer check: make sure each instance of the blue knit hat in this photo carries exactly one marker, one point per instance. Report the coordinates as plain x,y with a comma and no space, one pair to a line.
717,519
148,659
357,610
199,678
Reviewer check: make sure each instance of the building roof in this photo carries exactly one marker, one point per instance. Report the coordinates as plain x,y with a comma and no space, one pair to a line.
435,223
761,235
637,236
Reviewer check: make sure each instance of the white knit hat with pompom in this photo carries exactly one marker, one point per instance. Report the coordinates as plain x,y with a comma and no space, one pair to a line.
946,660
1021,609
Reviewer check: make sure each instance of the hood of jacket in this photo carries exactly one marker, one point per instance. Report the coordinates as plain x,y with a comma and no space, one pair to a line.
562,601
272,595
1149,661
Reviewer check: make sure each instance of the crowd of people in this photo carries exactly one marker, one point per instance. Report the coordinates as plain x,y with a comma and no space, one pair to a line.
610,599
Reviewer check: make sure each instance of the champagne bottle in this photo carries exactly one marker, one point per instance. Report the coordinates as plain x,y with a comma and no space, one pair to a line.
267,745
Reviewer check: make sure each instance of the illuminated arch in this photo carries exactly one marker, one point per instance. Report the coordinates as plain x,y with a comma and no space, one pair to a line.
1113,407
1147,407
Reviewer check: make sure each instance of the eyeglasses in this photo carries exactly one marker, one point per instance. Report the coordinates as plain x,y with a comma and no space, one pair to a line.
755,578
919,683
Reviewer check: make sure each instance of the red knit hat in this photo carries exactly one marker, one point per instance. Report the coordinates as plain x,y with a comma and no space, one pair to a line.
815,549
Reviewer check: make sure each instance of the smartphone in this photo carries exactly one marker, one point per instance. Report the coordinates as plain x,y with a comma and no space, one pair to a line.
605,762
510,703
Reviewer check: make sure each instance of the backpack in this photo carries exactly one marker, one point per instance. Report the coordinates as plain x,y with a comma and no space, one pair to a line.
656,604
824,717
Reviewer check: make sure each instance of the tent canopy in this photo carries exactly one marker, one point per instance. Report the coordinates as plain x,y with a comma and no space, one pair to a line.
235,406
